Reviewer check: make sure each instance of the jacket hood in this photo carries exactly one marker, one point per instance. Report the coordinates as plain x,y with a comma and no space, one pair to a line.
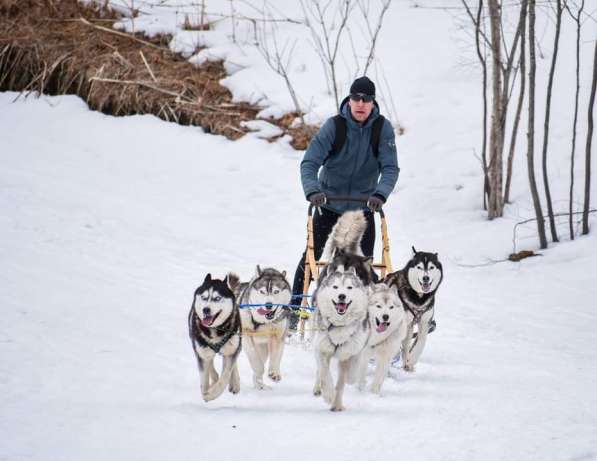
344,111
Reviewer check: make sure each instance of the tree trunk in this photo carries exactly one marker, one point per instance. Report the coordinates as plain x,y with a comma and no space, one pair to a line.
496,205
522,60
552,223
484,67
574,124
507,72
531,130
585,215
482,59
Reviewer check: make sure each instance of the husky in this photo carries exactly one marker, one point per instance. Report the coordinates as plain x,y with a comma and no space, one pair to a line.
387,321
341,308
417,284
264,327
342,332
214,328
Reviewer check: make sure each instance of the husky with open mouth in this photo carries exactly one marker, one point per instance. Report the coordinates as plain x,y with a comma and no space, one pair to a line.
342,331
387,320
341,298
264,322
417,285
214,329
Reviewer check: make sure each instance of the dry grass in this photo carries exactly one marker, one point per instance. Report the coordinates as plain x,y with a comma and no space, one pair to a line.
61,47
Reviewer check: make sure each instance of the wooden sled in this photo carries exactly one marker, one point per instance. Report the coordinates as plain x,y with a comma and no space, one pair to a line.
312,265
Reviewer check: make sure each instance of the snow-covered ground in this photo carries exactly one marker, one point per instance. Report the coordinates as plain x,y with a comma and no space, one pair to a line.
108,225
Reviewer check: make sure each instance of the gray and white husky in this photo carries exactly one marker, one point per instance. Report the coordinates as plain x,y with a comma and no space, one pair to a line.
214,328
341,309
387,320
417,284
264,326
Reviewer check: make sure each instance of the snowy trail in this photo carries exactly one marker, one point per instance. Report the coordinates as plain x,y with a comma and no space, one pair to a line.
107,226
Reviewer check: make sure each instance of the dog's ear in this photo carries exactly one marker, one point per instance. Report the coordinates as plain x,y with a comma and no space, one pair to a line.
435,254
352,270
232,280
368,260
207,278
283,273
414,250
259,271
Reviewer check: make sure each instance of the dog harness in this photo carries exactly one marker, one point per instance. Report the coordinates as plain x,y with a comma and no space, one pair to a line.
331,326
232,330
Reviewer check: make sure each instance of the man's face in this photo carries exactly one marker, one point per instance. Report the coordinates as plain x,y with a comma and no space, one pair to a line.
360,109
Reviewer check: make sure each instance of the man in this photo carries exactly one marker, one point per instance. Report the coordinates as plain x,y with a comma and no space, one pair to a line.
365,164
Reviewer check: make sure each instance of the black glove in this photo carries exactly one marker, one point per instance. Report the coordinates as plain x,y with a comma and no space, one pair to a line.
317,198
375,202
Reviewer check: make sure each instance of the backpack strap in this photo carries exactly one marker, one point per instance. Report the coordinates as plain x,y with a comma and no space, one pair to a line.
340,136
376,134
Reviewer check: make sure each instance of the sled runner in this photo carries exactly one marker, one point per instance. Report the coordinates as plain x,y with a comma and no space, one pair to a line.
312,265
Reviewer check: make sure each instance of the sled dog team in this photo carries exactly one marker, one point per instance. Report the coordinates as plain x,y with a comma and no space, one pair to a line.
356,319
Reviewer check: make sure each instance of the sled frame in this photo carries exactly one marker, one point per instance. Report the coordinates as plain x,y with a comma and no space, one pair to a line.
312,265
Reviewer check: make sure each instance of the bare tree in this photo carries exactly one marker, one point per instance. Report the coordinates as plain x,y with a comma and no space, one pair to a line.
585,214
481,56
202,13
496,205
233,20
277,57
508,77
576,19
326,45
552,223
373,33
531,129
522,66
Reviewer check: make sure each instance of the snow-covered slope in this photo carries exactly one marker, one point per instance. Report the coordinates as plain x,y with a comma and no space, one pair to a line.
109,224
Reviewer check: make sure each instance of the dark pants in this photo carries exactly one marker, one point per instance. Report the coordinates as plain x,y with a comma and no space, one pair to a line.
322,226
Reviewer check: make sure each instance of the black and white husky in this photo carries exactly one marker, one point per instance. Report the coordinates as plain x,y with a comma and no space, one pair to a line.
417,284
214,328
387,320
341,308
264,323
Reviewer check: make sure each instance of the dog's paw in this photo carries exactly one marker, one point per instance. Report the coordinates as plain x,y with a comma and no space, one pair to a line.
409,368
234,388
317,392
337,408
261,386
376,389
361,386
275,376
208,396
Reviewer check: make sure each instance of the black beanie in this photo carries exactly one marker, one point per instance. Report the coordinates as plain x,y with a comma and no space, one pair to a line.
363,85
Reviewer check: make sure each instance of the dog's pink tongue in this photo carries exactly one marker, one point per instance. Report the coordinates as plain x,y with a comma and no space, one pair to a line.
382,327
341,308
262,311
207,321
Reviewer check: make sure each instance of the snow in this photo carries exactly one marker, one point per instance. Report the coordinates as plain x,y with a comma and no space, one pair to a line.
109,224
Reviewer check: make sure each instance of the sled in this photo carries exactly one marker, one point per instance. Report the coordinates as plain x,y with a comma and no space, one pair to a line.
312,265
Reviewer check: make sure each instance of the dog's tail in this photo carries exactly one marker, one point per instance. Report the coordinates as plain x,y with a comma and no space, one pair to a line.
346,235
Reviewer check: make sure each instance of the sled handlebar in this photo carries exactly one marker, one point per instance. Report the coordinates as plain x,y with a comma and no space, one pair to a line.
346,198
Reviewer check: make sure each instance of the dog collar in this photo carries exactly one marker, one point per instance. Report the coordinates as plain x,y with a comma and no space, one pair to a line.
216,347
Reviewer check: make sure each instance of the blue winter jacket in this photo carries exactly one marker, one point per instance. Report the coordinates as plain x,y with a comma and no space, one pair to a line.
354,170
